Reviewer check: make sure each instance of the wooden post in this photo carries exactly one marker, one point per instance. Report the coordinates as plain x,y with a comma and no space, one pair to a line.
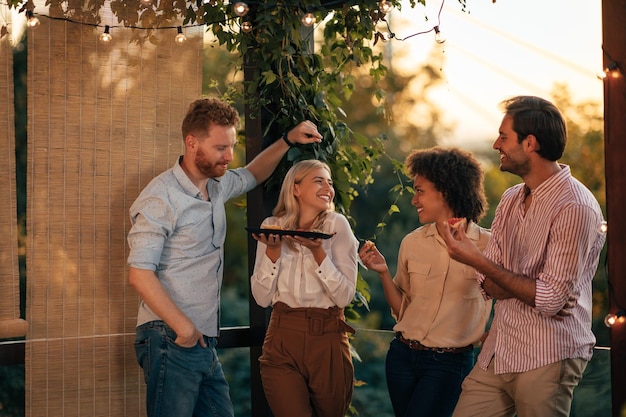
258,316
614,46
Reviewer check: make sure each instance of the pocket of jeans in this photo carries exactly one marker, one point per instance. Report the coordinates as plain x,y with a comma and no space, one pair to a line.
142,352
173,344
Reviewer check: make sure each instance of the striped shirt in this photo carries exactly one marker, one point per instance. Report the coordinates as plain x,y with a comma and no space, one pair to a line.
557,242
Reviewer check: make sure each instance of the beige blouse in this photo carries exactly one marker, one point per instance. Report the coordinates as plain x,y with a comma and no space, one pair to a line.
442,305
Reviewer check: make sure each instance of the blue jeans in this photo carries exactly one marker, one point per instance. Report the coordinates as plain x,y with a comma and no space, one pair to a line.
423,383
181,382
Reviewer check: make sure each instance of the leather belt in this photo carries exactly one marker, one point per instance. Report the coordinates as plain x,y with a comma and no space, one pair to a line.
314,321
415,345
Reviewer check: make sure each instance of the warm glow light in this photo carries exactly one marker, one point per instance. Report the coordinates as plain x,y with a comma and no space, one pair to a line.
180,38
32,21
604,227
610,319
308,19
106,37
385,6
241,9
246,26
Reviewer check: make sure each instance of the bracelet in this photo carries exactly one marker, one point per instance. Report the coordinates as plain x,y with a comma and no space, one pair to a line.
287,141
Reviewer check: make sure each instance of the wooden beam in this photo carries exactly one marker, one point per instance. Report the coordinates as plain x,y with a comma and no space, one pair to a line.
614,46
255,214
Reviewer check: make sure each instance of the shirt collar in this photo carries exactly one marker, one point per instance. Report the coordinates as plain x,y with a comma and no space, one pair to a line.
184,180
554,181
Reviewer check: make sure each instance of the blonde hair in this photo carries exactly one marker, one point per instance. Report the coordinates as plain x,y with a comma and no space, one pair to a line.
288,206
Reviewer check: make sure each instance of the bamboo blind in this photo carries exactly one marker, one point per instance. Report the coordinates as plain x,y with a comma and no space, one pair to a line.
103,121
10,323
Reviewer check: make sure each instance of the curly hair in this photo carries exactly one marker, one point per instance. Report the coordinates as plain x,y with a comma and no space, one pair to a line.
204,112
456,174
540,118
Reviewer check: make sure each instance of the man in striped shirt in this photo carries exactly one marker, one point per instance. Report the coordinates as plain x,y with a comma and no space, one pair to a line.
539,264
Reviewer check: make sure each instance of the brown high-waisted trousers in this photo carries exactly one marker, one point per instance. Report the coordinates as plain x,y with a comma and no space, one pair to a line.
306,367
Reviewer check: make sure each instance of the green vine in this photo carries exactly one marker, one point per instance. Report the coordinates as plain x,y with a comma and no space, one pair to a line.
290,76
293,81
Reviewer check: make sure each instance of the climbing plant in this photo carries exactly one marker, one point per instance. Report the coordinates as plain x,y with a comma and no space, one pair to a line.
294,72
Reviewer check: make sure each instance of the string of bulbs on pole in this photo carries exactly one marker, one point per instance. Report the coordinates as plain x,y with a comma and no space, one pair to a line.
240,10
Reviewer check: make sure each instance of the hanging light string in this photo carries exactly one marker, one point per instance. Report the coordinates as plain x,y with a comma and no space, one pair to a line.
438,37
240,10
31,14
612,69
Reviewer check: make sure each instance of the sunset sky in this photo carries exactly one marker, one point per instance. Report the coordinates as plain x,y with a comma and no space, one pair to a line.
496,50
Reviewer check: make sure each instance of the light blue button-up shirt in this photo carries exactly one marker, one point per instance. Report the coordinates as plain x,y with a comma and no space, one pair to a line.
181,237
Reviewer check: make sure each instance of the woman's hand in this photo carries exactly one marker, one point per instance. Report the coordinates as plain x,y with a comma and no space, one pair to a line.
372,258
272,242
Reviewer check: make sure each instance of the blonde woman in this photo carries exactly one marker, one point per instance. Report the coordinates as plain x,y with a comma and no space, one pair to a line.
306,367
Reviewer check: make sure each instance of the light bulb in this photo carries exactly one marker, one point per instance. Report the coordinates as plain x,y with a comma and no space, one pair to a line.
246,27
610,319
106,38
32,21
439,38
308,19
612,70
146,2
385,6
180,38
241,9
604,227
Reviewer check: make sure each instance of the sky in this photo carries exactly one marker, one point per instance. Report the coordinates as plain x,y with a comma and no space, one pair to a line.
494,50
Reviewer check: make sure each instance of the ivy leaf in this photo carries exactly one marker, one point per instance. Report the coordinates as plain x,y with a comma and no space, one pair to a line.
393,209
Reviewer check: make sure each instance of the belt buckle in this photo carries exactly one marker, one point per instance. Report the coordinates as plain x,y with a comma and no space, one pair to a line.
316,326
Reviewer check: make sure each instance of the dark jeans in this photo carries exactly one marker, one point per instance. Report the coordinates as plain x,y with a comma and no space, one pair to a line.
425,383
181,382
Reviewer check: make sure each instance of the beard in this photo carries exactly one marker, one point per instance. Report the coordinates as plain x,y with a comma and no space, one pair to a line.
519,168
207,168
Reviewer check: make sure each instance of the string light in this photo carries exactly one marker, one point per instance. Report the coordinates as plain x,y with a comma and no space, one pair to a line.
612,71
246,26
385,6
308,19
106,38
604,227
439,38
32,21
180,37
610,319
241,9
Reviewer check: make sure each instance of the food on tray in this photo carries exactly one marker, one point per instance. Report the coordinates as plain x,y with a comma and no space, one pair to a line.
271,226
310,234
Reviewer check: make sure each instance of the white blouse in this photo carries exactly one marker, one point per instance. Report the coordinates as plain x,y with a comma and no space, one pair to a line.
298,281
